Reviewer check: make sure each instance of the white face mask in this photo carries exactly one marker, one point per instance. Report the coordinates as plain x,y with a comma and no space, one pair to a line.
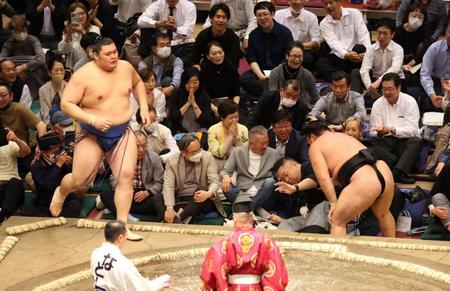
195,158
20,36
163,52
415,22
286,102
58,78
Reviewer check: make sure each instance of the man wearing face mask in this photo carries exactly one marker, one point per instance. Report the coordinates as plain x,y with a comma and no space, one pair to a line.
87,42
190,182
288,98
340,103
166,66
25,50
21,91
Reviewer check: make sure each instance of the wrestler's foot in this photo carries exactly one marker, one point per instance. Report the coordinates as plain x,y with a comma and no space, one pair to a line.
57,203
132,236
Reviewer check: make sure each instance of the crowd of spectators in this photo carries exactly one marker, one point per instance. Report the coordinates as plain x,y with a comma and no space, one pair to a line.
196,153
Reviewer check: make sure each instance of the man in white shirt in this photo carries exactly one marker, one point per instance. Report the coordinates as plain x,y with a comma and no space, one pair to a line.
113,271
394,122
384,56
127,8
176,18
242,20
347,37
304,26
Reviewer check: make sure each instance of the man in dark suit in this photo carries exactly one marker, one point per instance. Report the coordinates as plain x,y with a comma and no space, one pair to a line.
287,98
288,142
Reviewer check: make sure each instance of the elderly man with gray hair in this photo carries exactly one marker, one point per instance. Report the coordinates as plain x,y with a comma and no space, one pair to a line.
190,181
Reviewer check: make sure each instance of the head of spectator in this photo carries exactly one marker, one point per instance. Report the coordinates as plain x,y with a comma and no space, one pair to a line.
219,15
50,146
215,53
385,32
243,213
353,126
5,96
314,128
105,54
190,80
141,143
258,140
172,3
161,46
229,113
290,93
294,54
264,12
149,79
296,6
78,16
287,170
190,148
56,71
18,28
282,124
87,42
333,8
391,86
116,232
415,17
8,72
151,128
340,85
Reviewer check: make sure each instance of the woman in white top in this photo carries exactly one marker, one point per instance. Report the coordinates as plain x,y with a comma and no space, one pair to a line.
77,24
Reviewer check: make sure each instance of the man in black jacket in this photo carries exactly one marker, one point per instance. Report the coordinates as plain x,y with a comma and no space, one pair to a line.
287,98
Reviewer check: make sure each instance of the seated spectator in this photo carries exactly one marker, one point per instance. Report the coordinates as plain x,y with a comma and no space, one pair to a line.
7,10
190,182
11,185
218,32
219,75
50,165
165,65
26,52
384,56
46,18
354,127
159,137
346,35
147,182
304,27
288,142
227,134
436,15
441,152
293,69
176,18
20,91
190,107
50,94
340,103
267,44
288,98
440,197
154,95
127,9
253,164
434,68
87,42
412,36
76,25
242,18
394,121
20,119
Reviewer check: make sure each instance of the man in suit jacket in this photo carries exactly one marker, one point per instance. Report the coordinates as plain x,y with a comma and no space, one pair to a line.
287,98
190,181
288,142
253,163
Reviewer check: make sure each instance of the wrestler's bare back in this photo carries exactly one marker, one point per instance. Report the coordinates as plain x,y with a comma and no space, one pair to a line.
105,94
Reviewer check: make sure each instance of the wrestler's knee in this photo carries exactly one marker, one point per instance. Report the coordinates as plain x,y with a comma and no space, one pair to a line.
78,182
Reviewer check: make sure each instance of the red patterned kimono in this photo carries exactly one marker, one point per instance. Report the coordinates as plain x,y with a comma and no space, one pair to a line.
240,260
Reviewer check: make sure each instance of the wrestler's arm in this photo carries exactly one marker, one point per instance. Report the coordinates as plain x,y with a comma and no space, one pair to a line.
320,167
140,95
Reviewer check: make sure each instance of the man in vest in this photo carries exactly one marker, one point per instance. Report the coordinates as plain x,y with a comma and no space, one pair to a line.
20,90
166,66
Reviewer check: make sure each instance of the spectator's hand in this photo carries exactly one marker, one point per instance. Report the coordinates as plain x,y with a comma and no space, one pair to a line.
163,24
245,44
285,188
262,77
439,168
11,136
104,124
167,91
93,14
68,161
440,211
373,92
275,219
233,129
382,129
61,159
141,196
191,97
436,100
335,128
21,68
226,182
170,214
171,23
445,84
407,68
200,196
353,57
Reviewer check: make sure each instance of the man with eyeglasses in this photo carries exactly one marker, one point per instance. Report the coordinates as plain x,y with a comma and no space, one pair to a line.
8,75
266,47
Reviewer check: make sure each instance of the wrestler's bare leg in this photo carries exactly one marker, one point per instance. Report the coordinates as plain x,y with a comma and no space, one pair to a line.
86,158
123,163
